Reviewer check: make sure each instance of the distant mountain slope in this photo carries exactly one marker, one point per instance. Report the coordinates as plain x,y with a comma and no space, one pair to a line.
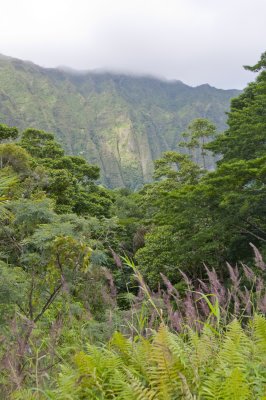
119,122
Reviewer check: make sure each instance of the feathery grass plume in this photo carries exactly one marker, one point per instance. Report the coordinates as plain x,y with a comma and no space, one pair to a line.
241,295
258,258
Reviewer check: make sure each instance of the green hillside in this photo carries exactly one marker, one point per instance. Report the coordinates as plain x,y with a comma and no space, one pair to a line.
120,122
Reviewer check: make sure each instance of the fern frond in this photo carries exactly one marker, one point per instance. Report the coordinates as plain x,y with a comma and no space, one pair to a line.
129,387
259,324
236,387
164,368
235,347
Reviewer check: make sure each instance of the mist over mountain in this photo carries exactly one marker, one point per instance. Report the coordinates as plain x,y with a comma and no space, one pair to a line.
118,121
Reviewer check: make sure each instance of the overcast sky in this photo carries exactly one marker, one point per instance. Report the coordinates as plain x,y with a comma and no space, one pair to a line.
196,41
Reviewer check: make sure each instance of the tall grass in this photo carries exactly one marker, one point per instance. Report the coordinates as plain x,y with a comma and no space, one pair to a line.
217,300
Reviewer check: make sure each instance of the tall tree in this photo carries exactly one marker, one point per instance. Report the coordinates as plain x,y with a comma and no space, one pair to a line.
198,134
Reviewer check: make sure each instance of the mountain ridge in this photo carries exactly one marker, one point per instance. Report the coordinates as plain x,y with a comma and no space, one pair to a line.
118,121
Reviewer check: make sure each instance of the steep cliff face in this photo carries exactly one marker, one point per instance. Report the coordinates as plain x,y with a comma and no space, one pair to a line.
122,123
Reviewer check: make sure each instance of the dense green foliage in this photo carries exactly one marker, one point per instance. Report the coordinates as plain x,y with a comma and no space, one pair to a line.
71,178
121,123
210,217
79,320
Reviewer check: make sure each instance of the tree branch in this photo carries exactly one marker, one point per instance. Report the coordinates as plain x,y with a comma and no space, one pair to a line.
244,230
48,302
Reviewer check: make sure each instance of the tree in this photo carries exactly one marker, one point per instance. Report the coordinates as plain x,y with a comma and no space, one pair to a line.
240,178
176,167
40,144
198,134
245,137
8,132
174,210
12,155
261,64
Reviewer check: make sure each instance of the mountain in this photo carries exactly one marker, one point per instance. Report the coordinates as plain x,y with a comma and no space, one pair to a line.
120,122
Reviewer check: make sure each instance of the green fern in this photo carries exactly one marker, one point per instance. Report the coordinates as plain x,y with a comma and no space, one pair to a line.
259,324
236,387
230,365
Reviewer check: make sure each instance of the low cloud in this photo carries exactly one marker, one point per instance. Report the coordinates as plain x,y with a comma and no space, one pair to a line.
193,41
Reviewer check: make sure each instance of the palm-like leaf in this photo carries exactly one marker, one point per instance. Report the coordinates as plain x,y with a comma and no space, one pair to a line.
6,182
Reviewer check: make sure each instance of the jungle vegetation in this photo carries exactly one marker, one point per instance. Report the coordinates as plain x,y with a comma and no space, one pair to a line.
153,294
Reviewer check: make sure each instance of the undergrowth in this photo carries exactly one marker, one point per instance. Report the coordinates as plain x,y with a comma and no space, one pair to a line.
212,360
